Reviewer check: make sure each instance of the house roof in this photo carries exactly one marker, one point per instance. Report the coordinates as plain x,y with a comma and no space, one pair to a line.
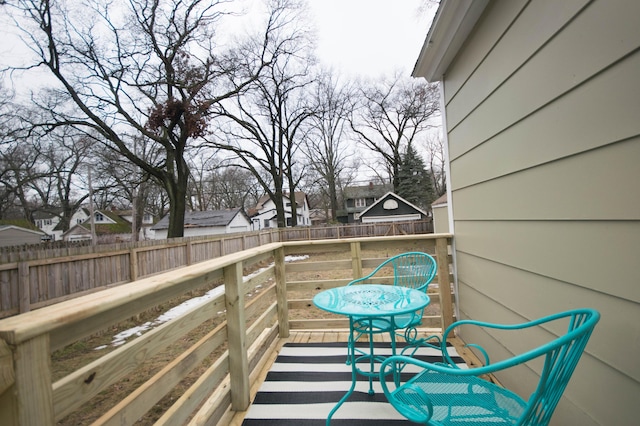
20,223
367,191
119,225
55,212
200,219
442,200
451,26
387,196
20,228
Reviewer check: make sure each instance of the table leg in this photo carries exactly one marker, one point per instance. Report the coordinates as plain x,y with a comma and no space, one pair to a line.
351,359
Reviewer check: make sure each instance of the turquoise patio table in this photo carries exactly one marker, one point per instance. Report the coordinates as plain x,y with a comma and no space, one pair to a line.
371,309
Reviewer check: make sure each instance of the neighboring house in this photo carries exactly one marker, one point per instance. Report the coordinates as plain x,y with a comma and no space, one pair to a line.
109,228
318,217
358,198
542,112
49,222
207,223
440,212
264,214
391,208
145,232
13,235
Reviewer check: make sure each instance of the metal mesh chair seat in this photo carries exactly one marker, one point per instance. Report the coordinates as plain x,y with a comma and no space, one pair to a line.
454,400
443,394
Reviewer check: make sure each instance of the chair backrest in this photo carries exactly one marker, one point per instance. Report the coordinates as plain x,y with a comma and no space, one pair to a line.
412,269
561,357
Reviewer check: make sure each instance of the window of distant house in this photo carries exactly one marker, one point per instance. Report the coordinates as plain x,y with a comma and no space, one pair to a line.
361,202
266,223
99,217
78,221
288,204
288,221
147,218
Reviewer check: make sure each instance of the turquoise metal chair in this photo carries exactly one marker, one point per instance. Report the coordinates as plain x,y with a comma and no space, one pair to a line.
442,394
413,270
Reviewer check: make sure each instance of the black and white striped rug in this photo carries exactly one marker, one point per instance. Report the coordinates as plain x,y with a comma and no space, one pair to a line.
308,379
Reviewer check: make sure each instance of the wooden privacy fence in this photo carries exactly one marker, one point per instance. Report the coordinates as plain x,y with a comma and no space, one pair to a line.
35,279
216,370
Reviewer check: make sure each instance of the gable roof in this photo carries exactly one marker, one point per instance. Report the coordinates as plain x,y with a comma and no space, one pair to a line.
203,219
392,195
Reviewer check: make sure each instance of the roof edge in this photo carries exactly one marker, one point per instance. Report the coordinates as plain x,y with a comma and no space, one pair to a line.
451,26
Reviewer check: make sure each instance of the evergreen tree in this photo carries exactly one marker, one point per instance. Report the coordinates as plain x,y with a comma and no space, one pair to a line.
414,181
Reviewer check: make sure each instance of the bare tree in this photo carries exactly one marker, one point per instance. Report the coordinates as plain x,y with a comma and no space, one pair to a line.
436,162
149,70
18,170
391,114
326,145
263,129
65,156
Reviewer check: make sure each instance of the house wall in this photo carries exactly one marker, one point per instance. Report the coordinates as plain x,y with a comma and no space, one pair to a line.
16,237
543,127
239,224
440,219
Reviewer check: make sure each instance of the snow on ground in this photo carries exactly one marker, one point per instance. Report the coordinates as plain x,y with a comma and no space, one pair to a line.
176,311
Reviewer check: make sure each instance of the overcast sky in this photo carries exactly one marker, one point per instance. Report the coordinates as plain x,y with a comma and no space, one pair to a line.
371,37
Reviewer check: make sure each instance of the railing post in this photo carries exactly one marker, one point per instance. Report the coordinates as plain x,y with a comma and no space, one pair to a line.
281,293
444,284
236,337
33,390
356,260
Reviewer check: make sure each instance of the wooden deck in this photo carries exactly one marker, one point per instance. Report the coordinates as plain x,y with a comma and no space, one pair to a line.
310,336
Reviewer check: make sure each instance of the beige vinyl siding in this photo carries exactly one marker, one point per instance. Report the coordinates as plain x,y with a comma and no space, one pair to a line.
568,60
543,115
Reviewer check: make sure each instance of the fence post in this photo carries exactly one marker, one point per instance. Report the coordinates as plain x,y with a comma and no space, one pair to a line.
133,264
356,260
281,293
187,248
444,285
24,287
236,337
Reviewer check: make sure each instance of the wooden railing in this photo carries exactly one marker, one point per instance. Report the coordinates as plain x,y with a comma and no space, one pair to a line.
32,280
226,358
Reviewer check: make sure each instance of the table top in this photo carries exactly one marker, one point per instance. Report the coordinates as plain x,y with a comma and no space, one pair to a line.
372,300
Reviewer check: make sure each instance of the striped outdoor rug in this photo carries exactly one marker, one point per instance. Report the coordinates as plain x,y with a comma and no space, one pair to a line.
308,379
